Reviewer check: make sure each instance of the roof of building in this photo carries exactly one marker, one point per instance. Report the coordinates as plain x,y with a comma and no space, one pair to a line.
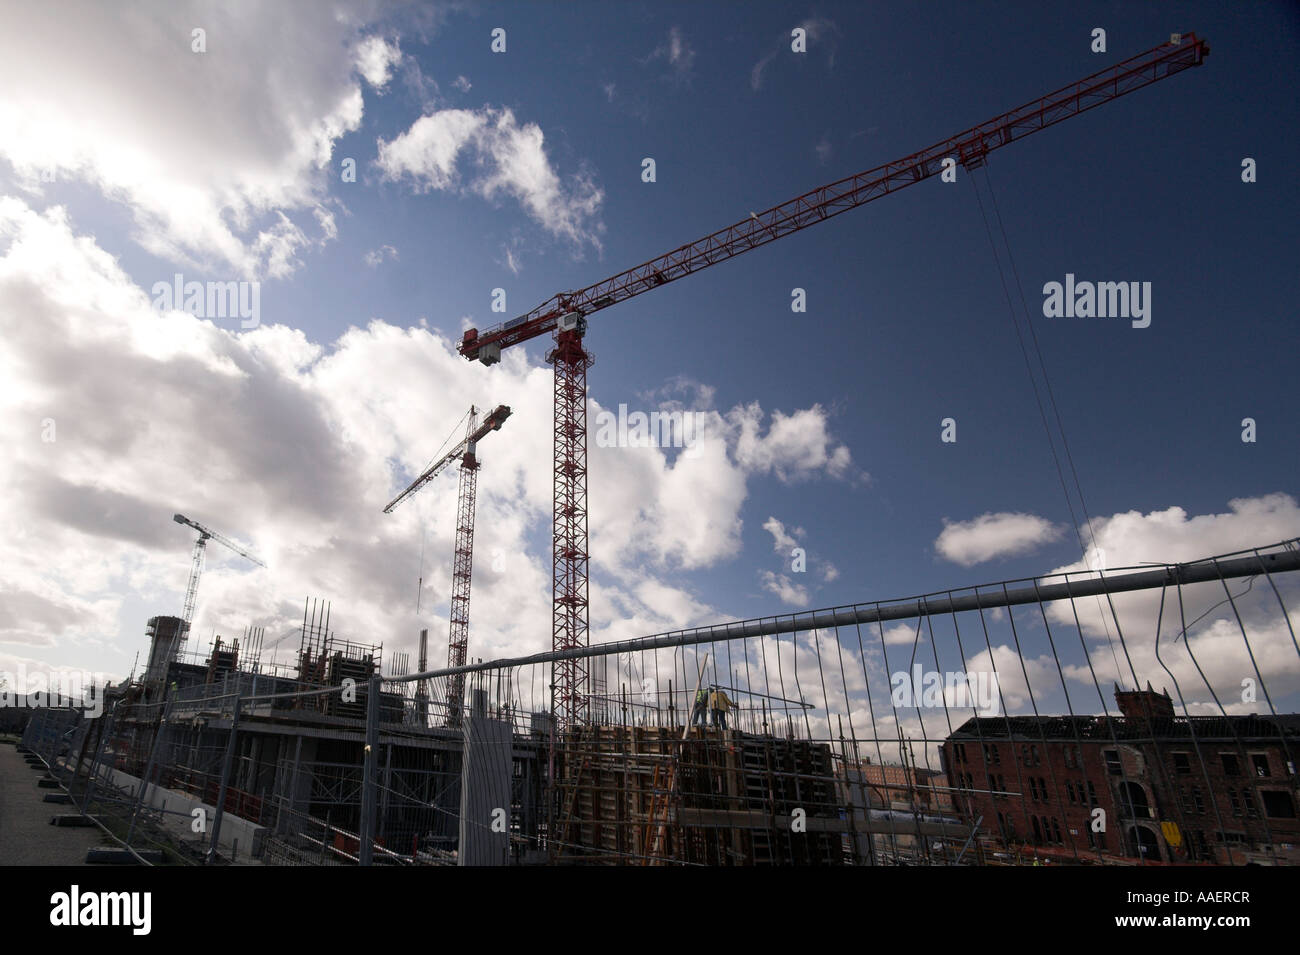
1102,729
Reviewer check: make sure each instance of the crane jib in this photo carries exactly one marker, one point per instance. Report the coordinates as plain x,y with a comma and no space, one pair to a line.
968,149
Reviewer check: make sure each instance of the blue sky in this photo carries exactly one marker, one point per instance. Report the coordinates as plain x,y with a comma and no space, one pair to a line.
226,165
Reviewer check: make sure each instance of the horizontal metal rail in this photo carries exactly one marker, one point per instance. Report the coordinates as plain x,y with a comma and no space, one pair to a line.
943,602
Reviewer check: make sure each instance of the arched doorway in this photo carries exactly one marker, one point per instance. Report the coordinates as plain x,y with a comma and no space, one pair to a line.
1143,844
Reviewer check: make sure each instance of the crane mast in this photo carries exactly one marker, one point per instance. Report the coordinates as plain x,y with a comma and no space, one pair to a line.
565,314
463,553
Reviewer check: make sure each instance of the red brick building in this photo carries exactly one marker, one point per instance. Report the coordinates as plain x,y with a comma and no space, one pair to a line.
1170,789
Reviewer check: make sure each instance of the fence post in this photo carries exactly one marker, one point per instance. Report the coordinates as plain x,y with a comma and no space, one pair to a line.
225,780
104,730
368,780
148,769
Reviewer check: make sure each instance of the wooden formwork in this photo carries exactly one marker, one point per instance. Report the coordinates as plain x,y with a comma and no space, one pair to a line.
725,798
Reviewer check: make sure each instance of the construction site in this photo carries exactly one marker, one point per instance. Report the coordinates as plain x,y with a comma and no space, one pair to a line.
775,741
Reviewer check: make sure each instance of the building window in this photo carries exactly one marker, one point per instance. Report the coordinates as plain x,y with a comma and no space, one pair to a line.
1038,835
1033,789
1069,791
1092,795
1112,762
1198,800
1182,764
1002,786
1248,801
1230,765
1277,804
1260,761
1186,800
1234,802
1069,757
1033,750
1056,833
1024,755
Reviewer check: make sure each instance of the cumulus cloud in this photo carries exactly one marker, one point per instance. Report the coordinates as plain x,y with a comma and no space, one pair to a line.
790,593
219,156
781,541
1199,638
795,447
990,536
293,447
502,157
376,58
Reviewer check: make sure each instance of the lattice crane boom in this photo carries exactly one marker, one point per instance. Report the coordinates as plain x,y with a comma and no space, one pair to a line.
473,435
565,314
967,148
196,571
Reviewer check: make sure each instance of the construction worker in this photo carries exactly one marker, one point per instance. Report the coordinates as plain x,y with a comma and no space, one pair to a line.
719,704
698,715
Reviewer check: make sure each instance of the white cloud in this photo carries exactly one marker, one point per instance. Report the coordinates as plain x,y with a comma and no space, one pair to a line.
796,446
902,635
709,479
790,593
217,155
463,84
503,157
375,256
824,150
294,447
376,58
822,35
991,536
781,541
512,258
1218,647
676,52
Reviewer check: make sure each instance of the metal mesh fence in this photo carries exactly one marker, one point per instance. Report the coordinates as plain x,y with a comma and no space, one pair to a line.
1142,716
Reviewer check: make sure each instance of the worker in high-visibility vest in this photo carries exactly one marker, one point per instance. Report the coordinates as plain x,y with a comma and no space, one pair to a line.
719,704
699,714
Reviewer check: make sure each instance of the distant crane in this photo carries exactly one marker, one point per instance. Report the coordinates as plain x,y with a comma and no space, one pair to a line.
565,314
462,560
196,571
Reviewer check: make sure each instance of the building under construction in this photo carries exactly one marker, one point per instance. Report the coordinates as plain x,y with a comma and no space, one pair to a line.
773,741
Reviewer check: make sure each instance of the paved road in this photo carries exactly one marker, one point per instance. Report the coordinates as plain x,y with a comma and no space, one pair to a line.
26,836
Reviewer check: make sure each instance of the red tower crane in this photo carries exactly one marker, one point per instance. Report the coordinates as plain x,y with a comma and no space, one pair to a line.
463,556
565,314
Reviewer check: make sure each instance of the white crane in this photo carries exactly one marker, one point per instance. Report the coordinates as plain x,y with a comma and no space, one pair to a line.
196,570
